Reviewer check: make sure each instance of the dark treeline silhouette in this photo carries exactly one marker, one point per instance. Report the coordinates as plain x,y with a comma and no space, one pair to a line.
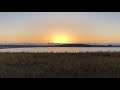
54,45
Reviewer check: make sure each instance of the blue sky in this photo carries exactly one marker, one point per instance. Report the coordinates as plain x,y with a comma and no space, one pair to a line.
99,27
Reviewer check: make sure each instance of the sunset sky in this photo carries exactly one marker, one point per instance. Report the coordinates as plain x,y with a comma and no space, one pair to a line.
55,27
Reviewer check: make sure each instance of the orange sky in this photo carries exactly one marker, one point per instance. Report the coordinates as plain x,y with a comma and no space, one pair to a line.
64,27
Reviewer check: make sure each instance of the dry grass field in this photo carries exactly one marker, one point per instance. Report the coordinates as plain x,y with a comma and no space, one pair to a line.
60,65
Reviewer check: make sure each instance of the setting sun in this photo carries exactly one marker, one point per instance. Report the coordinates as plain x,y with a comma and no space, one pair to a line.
60,39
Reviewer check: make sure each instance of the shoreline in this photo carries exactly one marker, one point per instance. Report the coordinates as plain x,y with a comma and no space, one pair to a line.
5,47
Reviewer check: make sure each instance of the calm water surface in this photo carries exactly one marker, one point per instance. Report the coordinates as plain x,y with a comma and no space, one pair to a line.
63,49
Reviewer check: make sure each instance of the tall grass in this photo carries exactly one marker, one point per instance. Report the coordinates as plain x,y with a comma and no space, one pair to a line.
60,65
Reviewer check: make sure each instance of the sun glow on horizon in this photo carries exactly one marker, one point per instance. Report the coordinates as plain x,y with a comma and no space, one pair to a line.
60,38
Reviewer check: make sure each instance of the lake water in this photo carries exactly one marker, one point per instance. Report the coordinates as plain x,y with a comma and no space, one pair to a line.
63,49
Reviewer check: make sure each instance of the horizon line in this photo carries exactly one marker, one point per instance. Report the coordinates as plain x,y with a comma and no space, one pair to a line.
53,43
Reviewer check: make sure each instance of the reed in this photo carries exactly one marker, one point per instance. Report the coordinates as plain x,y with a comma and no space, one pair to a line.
60,65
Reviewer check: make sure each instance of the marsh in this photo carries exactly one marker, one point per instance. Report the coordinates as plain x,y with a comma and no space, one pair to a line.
60,65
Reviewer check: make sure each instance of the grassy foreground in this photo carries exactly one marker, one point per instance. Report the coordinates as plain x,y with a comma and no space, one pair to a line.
60,65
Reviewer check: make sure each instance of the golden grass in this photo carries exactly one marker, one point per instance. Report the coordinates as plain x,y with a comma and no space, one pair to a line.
60,65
